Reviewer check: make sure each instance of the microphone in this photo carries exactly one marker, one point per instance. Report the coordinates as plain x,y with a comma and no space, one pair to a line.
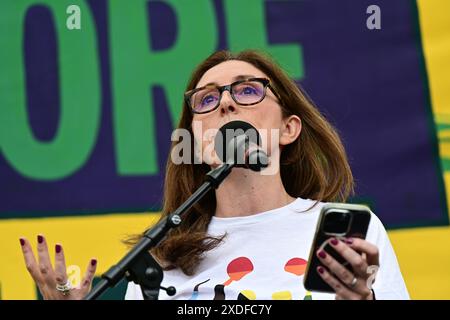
239,142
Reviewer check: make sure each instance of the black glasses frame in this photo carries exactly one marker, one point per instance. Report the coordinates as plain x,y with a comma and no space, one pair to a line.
266,82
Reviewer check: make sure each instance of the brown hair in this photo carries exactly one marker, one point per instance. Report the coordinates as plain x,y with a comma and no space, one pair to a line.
315,166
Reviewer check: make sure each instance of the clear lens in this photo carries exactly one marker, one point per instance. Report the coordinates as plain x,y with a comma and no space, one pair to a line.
205,99
248,92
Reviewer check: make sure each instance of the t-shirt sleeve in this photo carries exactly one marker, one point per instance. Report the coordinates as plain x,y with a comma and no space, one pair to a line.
389,283
133,292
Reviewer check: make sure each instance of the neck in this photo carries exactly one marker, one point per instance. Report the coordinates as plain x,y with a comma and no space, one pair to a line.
245,192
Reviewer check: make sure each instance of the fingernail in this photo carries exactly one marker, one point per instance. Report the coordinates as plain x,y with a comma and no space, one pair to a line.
22,241
320,269
334,242
58,248
93,262
40,239
349,240
322,254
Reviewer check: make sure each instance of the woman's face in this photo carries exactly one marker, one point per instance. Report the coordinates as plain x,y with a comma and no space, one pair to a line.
264,116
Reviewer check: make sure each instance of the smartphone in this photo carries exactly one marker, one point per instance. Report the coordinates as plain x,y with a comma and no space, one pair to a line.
336,220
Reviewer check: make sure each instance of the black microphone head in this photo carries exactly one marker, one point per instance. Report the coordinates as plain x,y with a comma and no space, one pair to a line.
235,137
237,125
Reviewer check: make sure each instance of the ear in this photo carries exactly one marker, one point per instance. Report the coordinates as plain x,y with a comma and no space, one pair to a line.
292,126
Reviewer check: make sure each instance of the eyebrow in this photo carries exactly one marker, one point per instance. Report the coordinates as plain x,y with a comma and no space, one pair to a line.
236,78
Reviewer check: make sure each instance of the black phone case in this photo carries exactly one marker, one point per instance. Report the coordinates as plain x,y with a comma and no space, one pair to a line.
358,229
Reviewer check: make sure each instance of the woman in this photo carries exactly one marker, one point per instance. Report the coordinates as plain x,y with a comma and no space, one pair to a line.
251,237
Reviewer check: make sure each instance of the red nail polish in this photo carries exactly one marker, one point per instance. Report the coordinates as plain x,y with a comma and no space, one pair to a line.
40,239
322,254
334,241
349,240
22,241
58,248
93,262
321,270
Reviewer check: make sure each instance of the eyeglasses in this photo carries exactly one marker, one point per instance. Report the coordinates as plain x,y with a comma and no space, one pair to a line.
244,92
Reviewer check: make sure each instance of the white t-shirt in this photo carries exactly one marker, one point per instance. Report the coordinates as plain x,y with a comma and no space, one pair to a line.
264,256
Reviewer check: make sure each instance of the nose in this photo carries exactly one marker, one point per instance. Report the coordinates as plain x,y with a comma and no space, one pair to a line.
227,104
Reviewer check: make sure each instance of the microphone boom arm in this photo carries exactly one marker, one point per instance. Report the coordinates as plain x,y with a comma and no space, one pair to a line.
138,265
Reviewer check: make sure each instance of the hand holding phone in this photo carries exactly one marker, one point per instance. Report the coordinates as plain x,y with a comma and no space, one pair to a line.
337,220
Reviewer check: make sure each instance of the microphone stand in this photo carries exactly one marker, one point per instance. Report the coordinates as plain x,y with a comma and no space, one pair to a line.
138,265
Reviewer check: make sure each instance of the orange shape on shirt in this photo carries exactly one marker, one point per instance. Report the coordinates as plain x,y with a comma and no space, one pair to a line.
296,266
238,268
